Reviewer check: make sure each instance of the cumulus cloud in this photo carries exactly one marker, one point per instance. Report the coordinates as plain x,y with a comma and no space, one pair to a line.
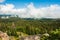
2,1
30,11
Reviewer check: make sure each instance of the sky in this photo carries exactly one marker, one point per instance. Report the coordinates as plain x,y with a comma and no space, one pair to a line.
31,8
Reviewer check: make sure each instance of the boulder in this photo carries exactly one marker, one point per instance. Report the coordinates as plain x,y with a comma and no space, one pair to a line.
31,37
4,36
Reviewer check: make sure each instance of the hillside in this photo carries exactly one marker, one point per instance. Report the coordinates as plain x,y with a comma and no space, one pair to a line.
22,26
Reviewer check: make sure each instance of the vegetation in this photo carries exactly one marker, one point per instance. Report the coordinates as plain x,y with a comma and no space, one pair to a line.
19,27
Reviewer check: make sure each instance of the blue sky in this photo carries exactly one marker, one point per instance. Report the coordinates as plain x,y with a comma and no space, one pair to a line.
31,8
37,3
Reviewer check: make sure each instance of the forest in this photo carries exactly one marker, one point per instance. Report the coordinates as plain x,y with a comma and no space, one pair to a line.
28,26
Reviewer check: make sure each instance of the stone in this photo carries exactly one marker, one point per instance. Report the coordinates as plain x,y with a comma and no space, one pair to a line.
4,36
31,37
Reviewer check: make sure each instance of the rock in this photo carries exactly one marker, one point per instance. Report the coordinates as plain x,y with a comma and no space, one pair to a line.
46,34
31,37
4,36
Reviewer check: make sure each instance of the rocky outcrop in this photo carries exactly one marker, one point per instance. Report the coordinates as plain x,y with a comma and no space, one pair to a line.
4,36
31,37
34,37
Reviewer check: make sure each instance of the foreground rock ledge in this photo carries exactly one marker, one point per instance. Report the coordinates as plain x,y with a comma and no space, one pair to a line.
4,36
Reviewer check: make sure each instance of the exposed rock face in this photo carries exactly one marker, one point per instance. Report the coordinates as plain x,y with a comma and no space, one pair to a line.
34,37
4,36
31,37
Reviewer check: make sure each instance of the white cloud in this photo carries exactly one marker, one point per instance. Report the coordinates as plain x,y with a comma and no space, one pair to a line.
52,11
2,1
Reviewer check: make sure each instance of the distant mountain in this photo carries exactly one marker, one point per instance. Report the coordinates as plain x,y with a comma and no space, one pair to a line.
5,16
